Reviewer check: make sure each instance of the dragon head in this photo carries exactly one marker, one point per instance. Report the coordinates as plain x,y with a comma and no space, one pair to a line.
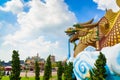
80,30
70,31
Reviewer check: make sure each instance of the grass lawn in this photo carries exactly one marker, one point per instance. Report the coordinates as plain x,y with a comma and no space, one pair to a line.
29,78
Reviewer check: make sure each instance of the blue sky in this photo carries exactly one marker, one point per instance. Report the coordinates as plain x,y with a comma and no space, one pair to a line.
84,9
37,26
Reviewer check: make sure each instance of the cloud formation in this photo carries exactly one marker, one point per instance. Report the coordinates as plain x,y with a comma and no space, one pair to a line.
38,27
107,4
1,25
31,48
15,6
46,17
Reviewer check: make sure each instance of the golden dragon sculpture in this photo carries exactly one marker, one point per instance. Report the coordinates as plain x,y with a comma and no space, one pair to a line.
106,32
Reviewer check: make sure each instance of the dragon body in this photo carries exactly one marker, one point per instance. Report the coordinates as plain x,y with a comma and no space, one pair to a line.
106,32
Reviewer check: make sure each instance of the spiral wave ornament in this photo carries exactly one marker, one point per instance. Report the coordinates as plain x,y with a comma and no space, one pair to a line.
118,2
81,67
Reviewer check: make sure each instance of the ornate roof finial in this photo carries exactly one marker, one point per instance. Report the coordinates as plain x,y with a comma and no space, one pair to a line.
37,54
106,10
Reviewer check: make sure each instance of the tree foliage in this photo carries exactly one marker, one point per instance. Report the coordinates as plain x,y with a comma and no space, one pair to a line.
68,71
65,71
1,70
37,71
59,71
99,72
48,69
15,73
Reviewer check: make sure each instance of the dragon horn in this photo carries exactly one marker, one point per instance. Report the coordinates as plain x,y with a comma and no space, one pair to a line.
89,22
90,25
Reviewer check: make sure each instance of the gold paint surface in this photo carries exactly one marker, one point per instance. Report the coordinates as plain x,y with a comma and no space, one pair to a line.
118,2
112,18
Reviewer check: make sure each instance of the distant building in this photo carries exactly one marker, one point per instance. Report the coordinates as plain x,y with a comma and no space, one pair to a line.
6,63
22,62
52,58
3,63
30,62
7,66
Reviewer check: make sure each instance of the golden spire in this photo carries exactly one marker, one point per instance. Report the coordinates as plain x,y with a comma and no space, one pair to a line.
118,2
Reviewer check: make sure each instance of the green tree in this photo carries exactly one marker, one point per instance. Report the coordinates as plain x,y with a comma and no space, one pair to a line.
59,71
65,71
48,69
1,70
37,71
68,71
99,72
15,73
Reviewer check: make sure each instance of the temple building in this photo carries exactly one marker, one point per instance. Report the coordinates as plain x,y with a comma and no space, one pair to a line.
52,58
30,62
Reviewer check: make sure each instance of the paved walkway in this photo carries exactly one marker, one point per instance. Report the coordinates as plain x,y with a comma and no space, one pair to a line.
31,74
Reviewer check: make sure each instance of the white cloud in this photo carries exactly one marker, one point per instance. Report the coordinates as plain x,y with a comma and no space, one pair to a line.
15,6
51,18
107,4
8,28
1,25
32,47
47,17
39,26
